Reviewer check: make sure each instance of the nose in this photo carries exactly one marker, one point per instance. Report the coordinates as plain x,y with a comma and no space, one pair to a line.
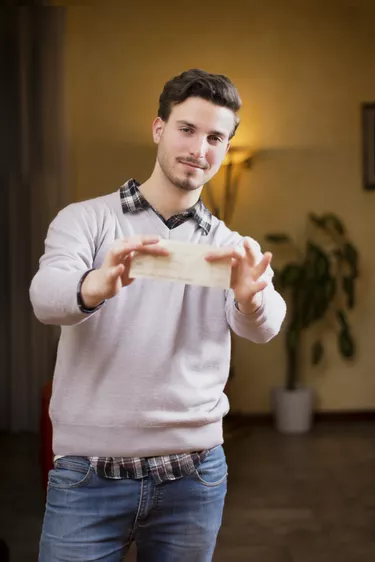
198,148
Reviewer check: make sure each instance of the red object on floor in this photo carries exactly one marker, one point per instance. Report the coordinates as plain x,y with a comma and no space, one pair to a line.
46,454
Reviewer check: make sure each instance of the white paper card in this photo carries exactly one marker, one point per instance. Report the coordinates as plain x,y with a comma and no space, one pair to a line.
185,264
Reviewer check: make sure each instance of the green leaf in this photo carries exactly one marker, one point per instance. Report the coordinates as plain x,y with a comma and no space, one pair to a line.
333,222
351,255
318,221
277,238
346,344
321,302
306,311
338,254
348,286
277,279
317,352
291,275
322,265
341,316
317,264
330,288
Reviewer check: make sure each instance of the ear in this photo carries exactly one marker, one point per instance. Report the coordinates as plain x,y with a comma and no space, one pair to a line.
157,129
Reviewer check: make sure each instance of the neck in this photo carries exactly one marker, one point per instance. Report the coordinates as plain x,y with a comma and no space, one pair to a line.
166,198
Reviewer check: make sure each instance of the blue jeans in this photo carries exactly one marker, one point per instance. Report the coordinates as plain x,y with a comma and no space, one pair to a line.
92,518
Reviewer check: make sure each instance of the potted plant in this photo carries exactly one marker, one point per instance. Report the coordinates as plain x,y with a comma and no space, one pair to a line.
318,281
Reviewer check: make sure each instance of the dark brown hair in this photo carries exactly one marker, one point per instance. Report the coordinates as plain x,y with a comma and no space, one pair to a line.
216,88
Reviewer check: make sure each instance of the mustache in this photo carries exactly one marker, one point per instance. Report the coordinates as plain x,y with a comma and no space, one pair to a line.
194,162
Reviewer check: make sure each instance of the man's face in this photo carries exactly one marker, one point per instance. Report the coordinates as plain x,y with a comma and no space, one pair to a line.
193,142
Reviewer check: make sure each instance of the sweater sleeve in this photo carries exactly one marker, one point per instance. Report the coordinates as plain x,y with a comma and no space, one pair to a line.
265,323
69,253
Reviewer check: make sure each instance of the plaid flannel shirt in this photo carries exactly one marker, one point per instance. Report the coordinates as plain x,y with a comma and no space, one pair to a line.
132,201
167,467
163,468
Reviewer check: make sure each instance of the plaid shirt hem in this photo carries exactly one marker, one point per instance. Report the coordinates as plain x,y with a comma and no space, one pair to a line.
162,469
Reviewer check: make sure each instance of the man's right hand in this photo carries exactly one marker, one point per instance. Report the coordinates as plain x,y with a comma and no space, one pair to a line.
106,282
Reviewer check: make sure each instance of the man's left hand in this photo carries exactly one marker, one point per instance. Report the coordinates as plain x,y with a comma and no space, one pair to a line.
246,273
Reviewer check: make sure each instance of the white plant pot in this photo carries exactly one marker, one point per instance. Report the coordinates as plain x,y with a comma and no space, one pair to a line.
293,409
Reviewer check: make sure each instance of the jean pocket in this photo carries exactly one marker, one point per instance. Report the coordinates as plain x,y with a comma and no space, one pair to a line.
70,472
213,471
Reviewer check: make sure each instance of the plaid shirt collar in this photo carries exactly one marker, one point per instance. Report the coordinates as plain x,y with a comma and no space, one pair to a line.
132,201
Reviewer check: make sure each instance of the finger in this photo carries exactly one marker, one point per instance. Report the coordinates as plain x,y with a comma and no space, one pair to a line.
123,248
153,250
249,252
134,242
117,253
125,279
115,272
145,240
259,286
222,254
262,266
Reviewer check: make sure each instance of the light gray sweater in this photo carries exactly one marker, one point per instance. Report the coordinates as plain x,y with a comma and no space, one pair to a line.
143,375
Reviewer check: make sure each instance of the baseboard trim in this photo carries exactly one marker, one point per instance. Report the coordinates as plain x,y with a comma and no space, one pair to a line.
345,416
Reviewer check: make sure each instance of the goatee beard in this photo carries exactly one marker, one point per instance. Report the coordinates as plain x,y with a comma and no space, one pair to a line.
183,184
180,183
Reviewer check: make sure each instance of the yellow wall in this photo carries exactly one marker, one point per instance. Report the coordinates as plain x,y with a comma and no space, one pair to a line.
302,69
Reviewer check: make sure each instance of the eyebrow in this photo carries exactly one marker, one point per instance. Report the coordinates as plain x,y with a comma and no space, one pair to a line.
216,133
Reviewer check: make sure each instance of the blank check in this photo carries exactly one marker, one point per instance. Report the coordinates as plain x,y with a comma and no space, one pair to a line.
185,264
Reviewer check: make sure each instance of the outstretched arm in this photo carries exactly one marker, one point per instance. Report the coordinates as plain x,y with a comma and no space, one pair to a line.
254,309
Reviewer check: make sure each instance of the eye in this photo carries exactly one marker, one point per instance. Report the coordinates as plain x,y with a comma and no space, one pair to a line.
215,139
186,130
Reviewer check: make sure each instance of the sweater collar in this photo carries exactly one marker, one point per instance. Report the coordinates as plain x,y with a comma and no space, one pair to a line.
133,201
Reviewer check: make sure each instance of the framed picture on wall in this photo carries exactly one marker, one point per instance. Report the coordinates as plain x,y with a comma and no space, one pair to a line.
368,145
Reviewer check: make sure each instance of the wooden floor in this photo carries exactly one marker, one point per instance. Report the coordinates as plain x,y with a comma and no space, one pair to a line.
290,499
301,499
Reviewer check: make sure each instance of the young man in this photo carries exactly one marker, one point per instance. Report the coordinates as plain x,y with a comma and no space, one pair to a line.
138,400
